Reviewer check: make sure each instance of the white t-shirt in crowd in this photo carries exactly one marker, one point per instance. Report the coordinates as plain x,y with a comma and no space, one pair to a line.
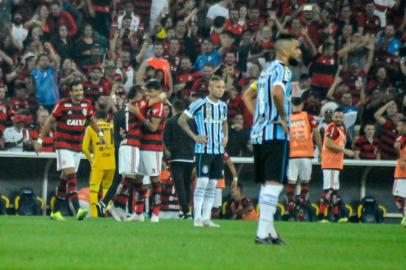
217,10
11,135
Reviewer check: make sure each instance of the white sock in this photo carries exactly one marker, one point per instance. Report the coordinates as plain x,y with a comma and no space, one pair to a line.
209,199
198,196
268,201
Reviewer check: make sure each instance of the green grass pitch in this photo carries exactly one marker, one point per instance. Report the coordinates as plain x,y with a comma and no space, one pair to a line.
39,243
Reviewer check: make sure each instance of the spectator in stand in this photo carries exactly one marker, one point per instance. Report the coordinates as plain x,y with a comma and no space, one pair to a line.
16,137
63,43
238,137
99,12
5,112
135,19
219,9
370,23
367,146
18,31
239,206
387,41
389,132
93,88
157,62
45,76
185,78
48,142
201,84
232,24
39,19
58,17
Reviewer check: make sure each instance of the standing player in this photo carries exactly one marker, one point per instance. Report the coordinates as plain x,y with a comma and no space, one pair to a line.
152,147
102,161
70,116
270,133
210,115
332,162
301,152
399,186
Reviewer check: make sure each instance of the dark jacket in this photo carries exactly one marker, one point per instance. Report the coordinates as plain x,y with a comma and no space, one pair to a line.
181,146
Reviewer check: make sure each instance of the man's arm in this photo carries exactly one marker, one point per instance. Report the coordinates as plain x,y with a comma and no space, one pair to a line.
153,124
338,149
379,113
225,132
141,72
182,122
249,97
278,95
85,145
317,139
47,127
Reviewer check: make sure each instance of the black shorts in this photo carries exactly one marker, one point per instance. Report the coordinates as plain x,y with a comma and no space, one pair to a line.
271,161
210,165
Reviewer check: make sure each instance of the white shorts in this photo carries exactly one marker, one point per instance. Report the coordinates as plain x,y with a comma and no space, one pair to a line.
299,168
150,164
128,159
331,179
67,159
399,188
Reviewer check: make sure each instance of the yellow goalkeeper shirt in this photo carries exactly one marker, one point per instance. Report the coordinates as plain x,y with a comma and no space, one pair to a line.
103,154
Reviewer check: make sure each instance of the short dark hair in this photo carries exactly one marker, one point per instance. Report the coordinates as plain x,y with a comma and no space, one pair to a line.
339,110
153,84
74,82
179,105
134,90
296,101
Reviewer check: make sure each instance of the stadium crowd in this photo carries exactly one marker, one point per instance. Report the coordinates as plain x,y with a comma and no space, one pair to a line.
354,57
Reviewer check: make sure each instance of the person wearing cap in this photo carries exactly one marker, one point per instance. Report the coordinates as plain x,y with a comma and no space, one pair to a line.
16,136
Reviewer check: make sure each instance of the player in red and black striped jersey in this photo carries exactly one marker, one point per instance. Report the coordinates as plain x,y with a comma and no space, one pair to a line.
129,156
70,116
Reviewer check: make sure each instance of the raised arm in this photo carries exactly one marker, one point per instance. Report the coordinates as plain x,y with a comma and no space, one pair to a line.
379,113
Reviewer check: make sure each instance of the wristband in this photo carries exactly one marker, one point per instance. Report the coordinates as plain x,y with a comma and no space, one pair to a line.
235,179
39,141
101,134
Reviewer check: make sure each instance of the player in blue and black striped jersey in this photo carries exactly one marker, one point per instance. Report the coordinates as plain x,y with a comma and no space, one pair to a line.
210,115
270,133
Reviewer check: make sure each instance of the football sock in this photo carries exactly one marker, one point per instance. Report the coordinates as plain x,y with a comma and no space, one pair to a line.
156,195
324,202
268,202
72,191
400,204
140,192
304,192
290,196
121,197
60,194
209,199
198,196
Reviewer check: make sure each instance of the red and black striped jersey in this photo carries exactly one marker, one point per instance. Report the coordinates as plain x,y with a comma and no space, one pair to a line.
48,141
70,125
133,125
92,91
152,141
4,116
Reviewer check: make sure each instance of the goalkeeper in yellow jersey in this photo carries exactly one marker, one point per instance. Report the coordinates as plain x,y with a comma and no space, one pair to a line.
101,157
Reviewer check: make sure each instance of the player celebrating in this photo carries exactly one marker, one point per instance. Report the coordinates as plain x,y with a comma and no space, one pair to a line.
332,162
103,162
70,116
399,186
152,148
210,115
270,133
302,127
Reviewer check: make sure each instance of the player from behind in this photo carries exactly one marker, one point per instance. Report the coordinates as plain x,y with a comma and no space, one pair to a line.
102,159
210,115
70,116
399,185
303,128
332,162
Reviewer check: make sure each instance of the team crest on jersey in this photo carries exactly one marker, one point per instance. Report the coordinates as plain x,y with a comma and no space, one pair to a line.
84,111
287,75
205,169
